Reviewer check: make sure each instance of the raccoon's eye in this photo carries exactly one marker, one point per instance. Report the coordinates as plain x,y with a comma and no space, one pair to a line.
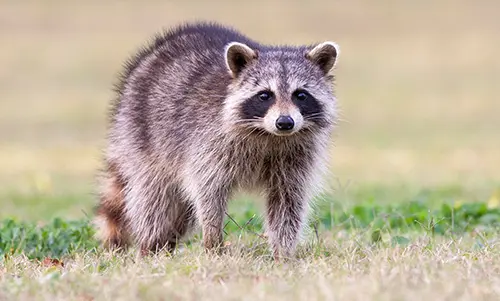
265,95
301,95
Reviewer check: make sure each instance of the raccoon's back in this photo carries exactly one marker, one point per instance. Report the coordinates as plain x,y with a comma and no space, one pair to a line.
173,87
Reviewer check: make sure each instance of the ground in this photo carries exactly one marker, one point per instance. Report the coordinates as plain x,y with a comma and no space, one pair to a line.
410,212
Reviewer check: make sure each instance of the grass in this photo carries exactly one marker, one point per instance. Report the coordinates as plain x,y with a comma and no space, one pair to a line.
412,212
63,238
371,250
340,267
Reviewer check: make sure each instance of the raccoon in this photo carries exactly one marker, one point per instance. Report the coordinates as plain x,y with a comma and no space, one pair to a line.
202,112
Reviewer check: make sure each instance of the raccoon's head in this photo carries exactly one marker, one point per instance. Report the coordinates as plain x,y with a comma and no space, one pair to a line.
281,90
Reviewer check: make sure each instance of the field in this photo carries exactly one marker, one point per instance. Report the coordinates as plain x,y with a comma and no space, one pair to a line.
411,213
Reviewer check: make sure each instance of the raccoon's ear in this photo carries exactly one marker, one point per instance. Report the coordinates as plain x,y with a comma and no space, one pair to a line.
238,56
324,55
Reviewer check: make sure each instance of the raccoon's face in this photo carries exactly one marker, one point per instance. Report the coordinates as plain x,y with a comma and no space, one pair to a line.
281,90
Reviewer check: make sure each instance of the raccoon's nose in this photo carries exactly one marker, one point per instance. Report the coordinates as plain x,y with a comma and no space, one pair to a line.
284,123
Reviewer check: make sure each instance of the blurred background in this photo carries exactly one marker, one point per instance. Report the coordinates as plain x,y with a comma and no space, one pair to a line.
418,83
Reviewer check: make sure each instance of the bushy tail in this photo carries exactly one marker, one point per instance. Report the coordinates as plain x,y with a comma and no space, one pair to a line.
110,213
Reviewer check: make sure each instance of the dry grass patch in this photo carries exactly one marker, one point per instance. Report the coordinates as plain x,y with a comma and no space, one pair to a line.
348,268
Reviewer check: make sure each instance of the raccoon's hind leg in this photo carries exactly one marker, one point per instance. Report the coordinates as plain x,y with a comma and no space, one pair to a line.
159,215
110,215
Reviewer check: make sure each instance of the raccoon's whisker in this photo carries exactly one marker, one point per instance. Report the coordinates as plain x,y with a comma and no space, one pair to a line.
313,115
250,133
315,118
247,121
261,133
251,119
249,125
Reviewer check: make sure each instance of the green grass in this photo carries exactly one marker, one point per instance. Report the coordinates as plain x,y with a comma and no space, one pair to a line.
56,239
348,262
63,238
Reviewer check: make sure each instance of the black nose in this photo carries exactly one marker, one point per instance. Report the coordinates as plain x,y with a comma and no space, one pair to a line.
285,123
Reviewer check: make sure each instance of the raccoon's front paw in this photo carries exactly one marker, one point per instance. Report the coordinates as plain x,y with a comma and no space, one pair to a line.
281,255
213,243
217,250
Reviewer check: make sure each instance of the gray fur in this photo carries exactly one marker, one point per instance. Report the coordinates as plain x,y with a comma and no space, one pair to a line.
178,148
